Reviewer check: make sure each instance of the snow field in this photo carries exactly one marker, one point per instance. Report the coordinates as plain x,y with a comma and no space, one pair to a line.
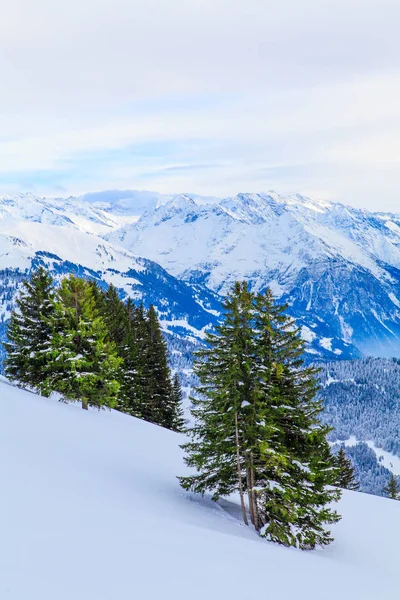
92,510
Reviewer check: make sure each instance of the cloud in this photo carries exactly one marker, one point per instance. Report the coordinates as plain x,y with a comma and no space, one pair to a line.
209,96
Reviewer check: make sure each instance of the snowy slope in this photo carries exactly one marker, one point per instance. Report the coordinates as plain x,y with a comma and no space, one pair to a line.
91,510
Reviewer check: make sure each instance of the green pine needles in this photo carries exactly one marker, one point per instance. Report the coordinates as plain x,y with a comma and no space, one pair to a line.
256,424
346,478
88,345
392,489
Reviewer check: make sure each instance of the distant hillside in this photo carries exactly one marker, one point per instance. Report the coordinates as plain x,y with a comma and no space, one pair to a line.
362,404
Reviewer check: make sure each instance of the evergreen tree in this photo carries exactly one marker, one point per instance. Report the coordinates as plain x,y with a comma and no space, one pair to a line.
178,423
131,397
134,382
346,477
119,324
296,498
256,424
157,386
29,332
219,409
83,364
116,317
392,490
99,296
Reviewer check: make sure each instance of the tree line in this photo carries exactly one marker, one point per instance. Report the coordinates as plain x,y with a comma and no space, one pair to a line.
85,343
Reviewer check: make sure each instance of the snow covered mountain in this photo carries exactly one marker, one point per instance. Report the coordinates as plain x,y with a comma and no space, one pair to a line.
337,267
63,235
92,509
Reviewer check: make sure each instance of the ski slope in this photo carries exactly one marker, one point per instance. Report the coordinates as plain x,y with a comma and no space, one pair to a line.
91,510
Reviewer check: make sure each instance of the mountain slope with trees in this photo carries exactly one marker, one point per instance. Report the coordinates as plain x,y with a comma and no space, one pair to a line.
88,345
93,503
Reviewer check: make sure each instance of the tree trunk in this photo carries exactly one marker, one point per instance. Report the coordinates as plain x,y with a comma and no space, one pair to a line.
84,403
256,521
251,492
239,472
249,489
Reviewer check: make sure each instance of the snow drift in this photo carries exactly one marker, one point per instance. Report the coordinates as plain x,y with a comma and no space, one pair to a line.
91,509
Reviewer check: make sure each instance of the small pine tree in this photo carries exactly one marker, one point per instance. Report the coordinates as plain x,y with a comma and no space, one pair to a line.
29,332
159,402
346,478
178,421
392,489
82,363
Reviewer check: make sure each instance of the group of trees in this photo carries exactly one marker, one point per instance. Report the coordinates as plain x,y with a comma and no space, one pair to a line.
362,399
256,424
87,344
256,427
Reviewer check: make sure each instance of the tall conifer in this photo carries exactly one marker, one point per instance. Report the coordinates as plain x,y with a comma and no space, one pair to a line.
297,466
82,363
256,424
158,390
29,331
220,410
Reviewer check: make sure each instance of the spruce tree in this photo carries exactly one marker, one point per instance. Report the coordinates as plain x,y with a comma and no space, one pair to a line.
130,398
116,317
134,382
82,363
392,489
256,424
29,332
219,409
119,324
178,421
159,402
296,475
346,477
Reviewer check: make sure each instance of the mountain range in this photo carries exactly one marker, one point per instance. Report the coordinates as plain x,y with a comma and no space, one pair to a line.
337,267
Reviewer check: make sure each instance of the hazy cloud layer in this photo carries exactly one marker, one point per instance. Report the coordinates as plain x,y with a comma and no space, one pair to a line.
208,96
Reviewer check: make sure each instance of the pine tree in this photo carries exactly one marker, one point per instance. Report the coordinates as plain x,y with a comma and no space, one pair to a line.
29,332
346,477
392,489
296,466
159,402
82,363
117,317
134,382
220,407
178,421
131,398
256,424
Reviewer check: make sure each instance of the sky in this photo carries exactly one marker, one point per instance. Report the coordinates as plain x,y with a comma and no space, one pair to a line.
213,97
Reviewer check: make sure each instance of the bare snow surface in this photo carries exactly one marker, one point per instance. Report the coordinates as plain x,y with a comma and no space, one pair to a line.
91,510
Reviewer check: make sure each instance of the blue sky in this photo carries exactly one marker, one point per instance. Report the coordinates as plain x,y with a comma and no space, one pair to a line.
208,96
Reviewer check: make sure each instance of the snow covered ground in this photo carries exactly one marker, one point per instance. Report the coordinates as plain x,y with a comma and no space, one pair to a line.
91,510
